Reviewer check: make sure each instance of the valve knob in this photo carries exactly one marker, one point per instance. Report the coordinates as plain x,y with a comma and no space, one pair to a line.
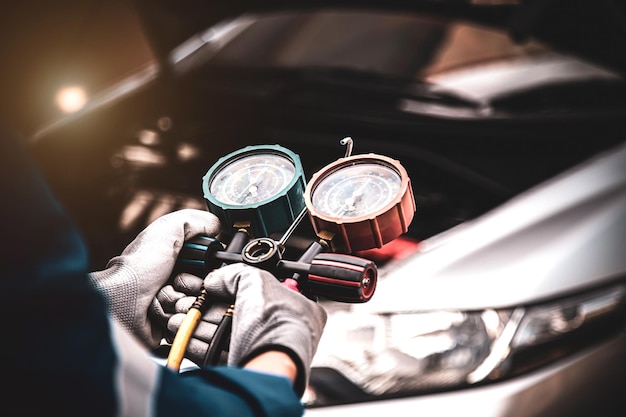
343,278
196,256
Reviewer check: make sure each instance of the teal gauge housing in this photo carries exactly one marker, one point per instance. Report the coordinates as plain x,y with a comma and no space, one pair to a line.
259,188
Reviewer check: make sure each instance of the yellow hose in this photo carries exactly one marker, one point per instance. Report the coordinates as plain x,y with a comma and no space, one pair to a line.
184,333
194,315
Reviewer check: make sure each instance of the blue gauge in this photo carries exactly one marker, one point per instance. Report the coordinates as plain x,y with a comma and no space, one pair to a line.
259,188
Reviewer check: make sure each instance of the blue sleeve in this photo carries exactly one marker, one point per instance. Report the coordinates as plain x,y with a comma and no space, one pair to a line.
59,352
219,391
55,330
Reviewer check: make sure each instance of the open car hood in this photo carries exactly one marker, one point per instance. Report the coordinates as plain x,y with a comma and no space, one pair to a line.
592,29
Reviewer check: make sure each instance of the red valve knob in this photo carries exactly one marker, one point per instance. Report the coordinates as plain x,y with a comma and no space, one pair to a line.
344,278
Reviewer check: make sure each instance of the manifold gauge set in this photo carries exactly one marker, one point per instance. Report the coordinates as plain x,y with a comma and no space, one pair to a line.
357,202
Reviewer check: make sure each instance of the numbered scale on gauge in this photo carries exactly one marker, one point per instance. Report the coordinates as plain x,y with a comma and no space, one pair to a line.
360,202
257,187
251,179
356,190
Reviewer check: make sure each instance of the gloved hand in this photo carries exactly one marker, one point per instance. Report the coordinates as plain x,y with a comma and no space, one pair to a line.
172,304
131,281
267,316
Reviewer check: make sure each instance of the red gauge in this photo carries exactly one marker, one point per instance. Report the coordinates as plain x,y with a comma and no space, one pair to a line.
360,202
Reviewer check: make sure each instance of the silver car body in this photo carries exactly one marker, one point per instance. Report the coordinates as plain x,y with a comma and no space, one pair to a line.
564,236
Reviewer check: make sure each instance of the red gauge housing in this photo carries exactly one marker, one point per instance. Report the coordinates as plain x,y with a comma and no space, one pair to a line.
372,229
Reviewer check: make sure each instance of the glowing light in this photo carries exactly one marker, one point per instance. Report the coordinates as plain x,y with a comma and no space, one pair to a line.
71,99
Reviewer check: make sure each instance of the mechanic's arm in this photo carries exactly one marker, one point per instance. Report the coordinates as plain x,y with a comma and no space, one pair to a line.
268,316
60,346
275,330
275,362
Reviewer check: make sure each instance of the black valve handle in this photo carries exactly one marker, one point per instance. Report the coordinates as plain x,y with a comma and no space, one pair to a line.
197,257
337,277
344,278
201,254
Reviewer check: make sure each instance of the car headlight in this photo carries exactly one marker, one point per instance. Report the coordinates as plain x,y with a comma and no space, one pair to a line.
374,356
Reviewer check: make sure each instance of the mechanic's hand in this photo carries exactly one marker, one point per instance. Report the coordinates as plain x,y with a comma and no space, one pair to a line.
131,281
267,316
173,302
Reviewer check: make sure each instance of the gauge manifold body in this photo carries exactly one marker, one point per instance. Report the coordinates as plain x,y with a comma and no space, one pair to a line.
258,187
360,202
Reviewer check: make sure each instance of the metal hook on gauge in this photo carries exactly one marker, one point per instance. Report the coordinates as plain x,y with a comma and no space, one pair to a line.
348,143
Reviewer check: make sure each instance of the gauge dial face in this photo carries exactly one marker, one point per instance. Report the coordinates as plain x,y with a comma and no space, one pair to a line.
356,191
252,179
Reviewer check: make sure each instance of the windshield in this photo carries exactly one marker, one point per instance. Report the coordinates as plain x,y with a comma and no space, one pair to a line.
105,53
474,62
403,46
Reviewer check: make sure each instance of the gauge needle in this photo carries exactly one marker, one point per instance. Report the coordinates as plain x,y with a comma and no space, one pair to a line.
251,189
350,202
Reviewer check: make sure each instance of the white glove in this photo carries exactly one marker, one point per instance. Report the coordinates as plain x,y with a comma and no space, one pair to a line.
131,281
173,302
267,316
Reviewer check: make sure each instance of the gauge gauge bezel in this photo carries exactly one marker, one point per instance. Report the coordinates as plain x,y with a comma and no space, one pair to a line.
264,217
372,229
